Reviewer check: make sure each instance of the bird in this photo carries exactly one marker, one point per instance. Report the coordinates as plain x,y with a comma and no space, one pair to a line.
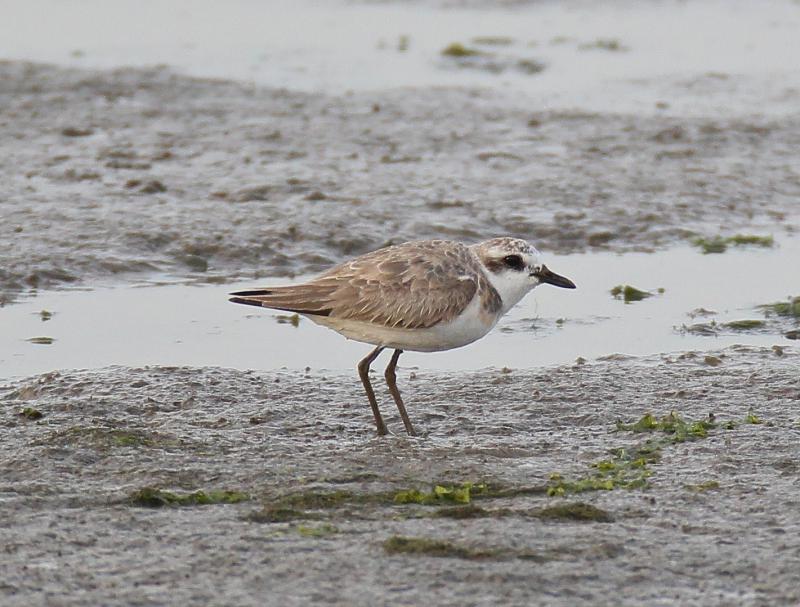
423,296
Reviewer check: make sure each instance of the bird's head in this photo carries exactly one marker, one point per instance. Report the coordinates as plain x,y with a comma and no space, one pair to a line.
514,267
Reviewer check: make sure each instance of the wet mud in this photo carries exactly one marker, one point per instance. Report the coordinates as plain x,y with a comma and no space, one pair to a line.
109,175
217,486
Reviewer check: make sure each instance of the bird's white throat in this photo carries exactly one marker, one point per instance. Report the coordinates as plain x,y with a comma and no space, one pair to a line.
512,286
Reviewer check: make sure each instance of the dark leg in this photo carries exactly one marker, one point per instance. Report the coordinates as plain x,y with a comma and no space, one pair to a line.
363,371
391,381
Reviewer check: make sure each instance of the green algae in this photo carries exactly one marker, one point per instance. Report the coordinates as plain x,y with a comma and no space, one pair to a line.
150,497
575,511
420,546
452,500
673,425
720,244
288,319
631,467
30,413
627,468
629,294
456,49
750,239
449,494
711,245
789,308
703,487
568,511
744,325
441,494
677,430
752,418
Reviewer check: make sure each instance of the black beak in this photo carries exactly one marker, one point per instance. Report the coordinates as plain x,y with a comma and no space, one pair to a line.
551,278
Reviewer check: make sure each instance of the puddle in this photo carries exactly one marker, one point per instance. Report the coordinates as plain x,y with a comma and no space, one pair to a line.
183,324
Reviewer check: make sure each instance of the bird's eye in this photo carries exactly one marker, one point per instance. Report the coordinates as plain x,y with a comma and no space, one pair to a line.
514,262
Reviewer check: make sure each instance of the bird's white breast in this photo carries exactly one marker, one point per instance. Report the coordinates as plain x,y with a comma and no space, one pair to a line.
472,324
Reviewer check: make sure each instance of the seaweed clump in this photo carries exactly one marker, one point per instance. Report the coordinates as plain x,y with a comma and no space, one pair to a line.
30,413
720,244
625,469
288,319
789,308
575,511
673,425
629,294
744,325
149,497
456,49
441,494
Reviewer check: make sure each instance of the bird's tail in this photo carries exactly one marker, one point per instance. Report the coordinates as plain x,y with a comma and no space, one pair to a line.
302,299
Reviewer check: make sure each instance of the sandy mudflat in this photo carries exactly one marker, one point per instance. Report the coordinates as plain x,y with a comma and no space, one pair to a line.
301,448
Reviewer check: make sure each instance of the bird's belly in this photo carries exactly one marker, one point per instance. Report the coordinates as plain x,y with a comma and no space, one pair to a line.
471,325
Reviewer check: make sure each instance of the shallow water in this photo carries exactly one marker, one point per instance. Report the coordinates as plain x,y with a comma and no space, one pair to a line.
334,47
196,326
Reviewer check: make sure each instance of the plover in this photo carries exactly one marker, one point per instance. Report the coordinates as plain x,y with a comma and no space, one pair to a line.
425,296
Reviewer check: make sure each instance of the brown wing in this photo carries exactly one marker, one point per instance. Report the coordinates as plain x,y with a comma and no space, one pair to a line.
414,285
